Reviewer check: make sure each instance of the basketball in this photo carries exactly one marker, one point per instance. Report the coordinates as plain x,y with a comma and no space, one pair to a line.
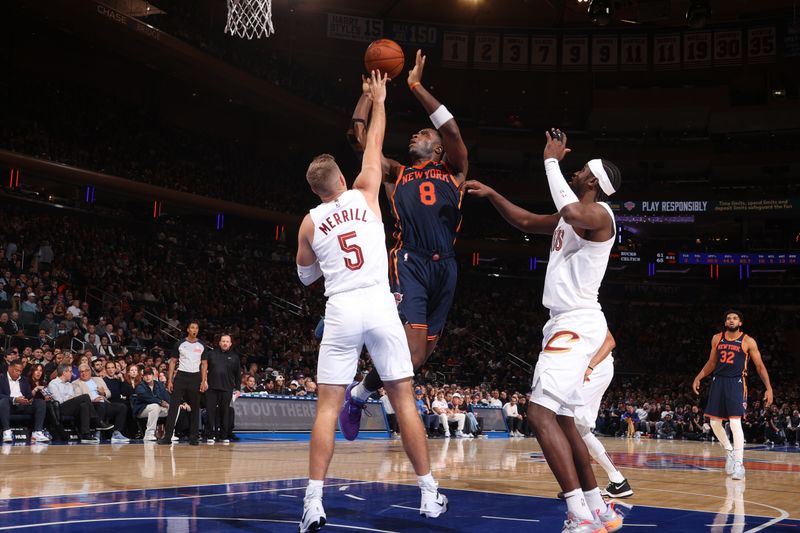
385,56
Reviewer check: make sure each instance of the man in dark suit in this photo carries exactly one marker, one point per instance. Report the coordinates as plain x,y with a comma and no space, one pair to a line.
224,375
16,398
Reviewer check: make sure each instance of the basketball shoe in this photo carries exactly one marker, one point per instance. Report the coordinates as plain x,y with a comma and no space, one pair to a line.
433,504
313,515
730,463
738,471
610,519
573,524
618,490
350,415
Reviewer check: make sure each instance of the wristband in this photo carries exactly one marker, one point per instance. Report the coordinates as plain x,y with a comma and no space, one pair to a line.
440,117
591,368
357,120
309,274
559,190
414,85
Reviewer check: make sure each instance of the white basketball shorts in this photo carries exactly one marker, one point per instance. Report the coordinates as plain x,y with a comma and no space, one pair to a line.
569,342
593,390
357,318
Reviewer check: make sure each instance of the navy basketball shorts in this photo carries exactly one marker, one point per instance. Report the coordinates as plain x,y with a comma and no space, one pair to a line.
424,289
727,397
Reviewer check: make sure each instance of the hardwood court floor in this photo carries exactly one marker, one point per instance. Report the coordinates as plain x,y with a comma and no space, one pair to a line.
683,476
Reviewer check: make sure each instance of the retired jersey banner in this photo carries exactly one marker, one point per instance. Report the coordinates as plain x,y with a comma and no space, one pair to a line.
633,51
605,53
455,49
761,45
728,48
667,51
515,52
697,50
544,53
487,51
574,53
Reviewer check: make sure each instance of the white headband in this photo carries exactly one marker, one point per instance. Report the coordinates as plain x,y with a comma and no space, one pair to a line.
596,166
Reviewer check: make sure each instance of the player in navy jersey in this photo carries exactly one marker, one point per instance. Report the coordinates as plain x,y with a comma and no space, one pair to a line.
426,202
727,399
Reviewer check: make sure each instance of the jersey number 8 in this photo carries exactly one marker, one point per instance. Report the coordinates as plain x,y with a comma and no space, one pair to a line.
427,193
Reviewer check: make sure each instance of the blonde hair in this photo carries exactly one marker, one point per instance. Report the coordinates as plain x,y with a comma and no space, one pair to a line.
322,174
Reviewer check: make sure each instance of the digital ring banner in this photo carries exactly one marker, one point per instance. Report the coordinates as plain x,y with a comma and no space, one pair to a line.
262,413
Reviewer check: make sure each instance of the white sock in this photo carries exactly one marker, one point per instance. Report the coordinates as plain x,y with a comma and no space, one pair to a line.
360,392
738,439
576,504
598,453
314,489
594,500
719,432
427,483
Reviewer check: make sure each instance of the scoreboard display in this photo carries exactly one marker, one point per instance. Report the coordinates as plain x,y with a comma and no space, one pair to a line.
666,258
778,258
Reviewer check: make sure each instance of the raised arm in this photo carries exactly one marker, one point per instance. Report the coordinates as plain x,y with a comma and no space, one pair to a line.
369,180
516,216
442,120
751,348
585,215
357,136
708,368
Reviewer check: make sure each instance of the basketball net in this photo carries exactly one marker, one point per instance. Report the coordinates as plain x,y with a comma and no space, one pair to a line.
250,18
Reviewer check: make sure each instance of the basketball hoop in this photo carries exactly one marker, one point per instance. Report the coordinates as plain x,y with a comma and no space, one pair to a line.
250,18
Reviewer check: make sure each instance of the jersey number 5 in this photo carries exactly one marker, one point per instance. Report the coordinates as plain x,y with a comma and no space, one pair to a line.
351,248
427,193
726,357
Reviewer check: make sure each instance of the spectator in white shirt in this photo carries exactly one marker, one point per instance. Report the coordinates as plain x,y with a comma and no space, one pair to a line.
495,401
75,308
390,416
446,415
513,418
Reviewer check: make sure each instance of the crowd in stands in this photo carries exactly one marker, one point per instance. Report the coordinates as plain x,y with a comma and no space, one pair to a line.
116,296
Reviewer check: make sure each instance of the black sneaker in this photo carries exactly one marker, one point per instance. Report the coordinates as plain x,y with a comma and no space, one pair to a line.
618,490
165,442
104,426
194,442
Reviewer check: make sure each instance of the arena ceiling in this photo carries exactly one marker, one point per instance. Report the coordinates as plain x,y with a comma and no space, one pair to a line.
540,13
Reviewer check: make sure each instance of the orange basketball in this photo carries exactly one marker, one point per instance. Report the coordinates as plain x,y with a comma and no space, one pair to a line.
386,56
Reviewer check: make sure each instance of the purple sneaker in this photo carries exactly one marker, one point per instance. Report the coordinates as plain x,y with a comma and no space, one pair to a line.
350,415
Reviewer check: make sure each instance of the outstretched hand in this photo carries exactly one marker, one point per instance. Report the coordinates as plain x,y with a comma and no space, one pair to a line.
696,386
556,146
364,85
476,188
377,86
415,74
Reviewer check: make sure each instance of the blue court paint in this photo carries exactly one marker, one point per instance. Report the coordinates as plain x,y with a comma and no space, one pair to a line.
350,505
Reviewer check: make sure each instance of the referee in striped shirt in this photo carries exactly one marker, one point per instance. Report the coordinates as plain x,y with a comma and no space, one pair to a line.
187,384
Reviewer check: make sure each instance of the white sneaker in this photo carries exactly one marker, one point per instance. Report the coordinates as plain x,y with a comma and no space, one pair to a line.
39,436
174,438
574,524
8,436
433,504
459,434
226,441
313,516
119,438
447,435
469,436
610,519
738,471
210,441
729,462
150,437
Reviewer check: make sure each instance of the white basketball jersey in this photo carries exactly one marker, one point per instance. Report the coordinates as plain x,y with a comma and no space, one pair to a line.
575,270
350,244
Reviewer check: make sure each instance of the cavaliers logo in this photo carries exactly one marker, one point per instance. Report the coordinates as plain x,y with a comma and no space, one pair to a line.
557,342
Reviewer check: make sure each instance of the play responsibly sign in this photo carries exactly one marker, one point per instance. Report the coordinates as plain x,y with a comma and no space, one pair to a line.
785,205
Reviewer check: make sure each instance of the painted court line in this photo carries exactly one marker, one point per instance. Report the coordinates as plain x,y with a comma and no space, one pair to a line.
353,496
184,518
509,518
173,498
